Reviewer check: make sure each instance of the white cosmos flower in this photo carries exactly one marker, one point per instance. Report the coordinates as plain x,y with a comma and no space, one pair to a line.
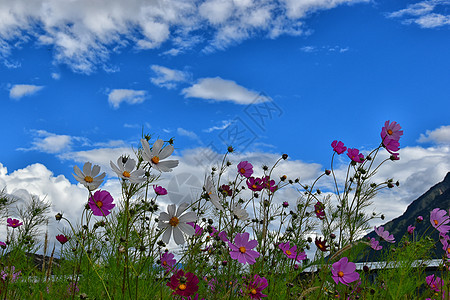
239,212
212,192
155,155
176,223
89,176
124,170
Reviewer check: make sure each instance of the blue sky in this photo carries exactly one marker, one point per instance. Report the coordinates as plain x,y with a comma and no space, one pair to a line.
80,82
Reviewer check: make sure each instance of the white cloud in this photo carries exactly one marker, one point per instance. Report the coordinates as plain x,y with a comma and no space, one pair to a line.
117,96
83,33
225,124
56,76
49,142
18,91
440,135
168,78
219,89
426,14
187,133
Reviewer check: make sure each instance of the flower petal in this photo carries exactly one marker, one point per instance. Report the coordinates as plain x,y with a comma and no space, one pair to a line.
178,236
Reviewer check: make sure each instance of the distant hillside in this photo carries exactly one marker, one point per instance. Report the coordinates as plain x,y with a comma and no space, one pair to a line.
436,197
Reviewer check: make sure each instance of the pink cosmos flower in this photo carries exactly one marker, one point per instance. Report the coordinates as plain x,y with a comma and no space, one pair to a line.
375,245
62,238
384,234
226,190
183,284
391,131
255,184
419,219
319,210
101,203
254,289
344,271
3,245
245,169
241,250
223,236
159,190
269,184
13,223
168,261
354,155
338,147
446,247
435,283
291,252
411,229
438,219
198,229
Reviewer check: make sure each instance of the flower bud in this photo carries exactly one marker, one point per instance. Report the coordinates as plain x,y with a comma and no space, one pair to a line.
58,216
284,156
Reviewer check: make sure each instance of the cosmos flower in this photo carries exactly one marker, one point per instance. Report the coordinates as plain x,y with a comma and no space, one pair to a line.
354,155
411,229
239,212
321,245
241,249
391,131
13,223
255,184
319,210
384,234
212,193
168,260
435,283
439,219
344,272
157,153
3,245
269,184
254,289
175,221
101,203
159,190
125,170
62,238
226,190
291,252
245,169
338,147
375,245
198,229
89,177
183,284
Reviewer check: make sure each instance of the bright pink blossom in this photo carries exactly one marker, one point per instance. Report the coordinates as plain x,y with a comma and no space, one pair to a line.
245,169
255,184
254,289
269,184
384,234
439,219
13,223
344,272
168,261
62,238
101,203
375,245
354,155
391,131
435,283
241,250
411,229
159,190
183,284
338,147
319,210
291,252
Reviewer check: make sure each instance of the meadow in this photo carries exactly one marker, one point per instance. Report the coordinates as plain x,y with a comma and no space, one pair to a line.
238,240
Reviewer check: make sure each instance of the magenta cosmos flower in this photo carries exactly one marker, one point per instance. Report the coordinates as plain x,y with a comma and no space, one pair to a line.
254,289
269,184
101,203
255,184
291,252
438,219
198,229
411,229
435,283
375,245
319,210
245,169
241,250
168,260
13,223
3,245
62,238
391,131
183,284
384,234
159,190
338,147
344,271
354,155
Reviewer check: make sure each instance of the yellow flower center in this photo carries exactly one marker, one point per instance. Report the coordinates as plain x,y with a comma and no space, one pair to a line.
174,221
126,174
288,252
448,250
390,132
242,249
253,292
254,186
182,286
164,263
88,179
341,274
99,204
155,159
242,170
436,222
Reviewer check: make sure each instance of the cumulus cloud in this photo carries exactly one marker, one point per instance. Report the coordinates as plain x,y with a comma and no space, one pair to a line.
426,14
18,91
168,78
190,134
83,34
48,142
440,135
117,96
219,89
